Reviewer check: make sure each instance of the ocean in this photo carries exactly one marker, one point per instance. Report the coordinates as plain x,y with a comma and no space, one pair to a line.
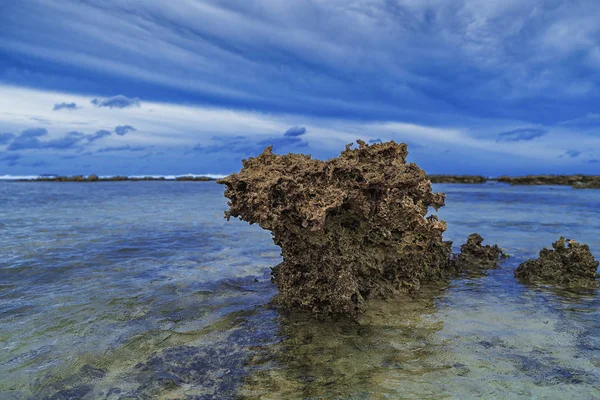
142,290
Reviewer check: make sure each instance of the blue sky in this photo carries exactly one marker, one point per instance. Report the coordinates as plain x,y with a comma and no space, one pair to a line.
153,87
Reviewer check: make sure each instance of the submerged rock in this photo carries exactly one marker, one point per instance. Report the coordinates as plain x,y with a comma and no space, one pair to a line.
474,256
350,228
572,266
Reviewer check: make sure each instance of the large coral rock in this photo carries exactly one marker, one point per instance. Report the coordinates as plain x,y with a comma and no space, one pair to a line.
475,256
350,228
572,266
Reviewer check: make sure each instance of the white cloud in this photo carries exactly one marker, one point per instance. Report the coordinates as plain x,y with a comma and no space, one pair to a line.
250,50
175,126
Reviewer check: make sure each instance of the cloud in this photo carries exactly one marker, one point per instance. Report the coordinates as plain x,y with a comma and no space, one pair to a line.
122,130
41,120
98,135
295,131
33,133
279,143
118,101
38,164
248,146
375,141
6,137
572,153
29,139
227,144
122,148
591,119
11,158
152,154
176,128
501,58
523,134
64,106
69,141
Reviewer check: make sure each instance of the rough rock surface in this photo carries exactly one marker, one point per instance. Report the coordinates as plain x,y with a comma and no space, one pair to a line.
350,228
572,266
474,256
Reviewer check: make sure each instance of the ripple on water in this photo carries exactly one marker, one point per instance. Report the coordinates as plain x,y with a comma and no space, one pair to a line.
142,290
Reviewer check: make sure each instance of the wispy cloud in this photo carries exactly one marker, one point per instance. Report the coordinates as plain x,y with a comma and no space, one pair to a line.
64,106
250,146
122,130
227,144
572,153
25,142
223,136
44,121
118,101
10,159
523,134
98,135
295,131
122,148
282,143
504,59
37,164
6,137
29,139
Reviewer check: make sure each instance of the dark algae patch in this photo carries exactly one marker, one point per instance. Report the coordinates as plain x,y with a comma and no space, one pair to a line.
350,228
571,266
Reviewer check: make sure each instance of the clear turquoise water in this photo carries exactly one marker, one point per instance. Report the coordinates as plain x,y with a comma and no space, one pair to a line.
137,290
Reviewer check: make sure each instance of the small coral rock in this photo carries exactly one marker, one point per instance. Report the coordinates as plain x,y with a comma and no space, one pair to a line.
350,228
474,256
572,266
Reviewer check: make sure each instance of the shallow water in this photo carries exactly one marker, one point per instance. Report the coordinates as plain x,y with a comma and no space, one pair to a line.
136,290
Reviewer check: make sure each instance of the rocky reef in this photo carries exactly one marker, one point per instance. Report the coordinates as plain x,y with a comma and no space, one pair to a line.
117,178
571,266
474,256
576,181
351,228
466,179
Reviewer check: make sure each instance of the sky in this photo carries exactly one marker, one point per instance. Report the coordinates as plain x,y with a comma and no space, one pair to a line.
157,87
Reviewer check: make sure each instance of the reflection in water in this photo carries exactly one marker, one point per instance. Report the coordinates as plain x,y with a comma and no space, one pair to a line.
100,301
317,359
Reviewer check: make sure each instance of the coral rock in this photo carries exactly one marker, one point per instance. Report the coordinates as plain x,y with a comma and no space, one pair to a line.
350,228
572,266
474,256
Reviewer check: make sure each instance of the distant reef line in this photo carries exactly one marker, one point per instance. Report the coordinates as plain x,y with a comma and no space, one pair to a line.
117,178
578,181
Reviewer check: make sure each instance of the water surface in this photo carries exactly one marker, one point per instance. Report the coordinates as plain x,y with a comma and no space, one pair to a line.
136,290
